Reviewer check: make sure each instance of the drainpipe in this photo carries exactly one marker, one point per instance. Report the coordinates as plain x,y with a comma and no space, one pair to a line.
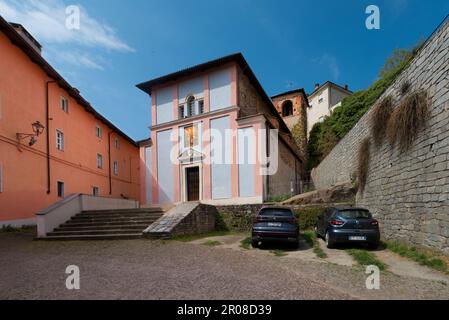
47,124
110,167
267,154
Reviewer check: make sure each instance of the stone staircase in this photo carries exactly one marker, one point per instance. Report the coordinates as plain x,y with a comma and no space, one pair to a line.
106,225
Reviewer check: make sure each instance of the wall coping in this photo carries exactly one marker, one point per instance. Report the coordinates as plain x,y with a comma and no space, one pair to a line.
58,204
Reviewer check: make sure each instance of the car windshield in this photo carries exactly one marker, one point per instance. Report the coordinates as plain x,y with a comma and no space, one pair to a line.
355,214
276,212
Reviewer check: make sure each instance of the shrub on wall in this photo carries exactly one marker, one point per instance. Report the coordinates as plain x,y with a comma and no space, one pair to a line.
308,217
363,163
407,120
220,224
299,133
379,119
325,136
404,88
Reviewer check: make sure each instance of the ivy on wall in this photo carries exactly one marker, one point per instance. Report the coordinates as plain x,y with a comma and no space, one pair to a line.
325,136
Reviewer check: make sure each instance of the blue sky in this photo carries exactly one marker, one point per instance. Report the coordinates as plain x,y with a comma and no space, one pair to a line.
288,44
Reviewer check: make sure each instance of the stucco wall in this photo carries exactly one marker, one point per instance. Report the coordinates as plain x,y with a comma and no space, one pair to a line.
23,100
220,161
288,175
317,109
165,177
408,193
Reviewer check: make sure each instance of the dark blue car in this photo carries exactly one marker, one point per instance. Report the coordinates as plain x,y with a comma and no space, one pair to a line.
348,225
275,224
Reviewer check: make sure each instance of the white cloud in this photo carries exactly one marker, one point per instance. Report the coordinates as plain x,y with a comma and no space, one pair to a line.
46,20
331,62
76,58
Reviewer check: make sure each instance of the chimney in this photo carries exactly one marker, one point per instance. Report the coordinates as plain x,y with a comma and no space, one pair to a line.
317,85
27,37
346,87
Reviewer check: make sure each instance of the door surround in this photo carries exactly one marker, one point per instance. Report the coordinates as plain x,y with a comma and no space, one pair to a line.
184,186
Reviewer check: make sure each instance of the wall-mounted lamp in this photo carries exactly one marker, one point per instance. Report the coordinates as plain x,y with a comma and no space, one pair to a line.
38,129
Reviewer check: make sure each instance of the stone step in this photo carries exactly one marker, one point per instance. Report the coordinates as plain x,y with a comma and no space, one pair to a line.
70,224
115,214
95,232
158,235
121,236
115,219
125,211
137,227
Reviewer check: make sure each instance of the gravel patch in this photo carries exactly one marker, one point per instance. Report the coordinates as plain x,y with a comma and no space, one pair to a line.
145,269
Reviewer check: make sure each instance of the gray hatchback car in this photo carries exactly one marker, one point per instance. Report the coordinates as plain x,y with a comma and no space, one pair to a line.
275,224
348,225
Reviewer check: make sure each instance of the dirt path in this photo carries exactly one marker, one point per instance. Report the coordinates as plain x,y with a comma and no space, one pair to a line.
304,252
398,267
405,267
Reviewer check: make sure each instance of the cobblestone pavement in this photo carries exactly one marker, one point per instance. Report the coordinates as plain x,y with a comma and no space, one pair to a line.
144,269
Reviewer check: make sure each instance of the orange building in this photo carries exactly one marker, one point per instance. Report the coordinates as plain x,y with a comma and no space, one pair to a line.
70,149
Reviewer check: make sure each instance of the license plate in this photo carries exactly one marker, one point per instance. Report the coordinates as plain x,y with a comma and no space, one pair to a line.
357,238
274,224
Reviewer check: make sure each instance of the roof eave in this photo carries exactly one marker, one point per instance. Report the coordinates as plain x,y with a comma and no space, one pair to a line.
35,57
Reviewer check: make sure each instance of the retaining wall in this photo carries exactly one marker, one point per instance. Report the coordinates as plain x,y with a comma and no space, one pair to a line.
408,192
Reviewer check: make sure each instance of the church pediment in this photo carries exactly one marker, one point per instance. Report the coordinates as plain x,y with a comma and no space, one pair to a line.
190,155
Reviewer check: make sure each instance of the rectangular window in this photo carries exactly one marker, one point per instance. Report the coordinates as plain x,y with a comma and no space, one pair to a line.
117,143
60,189
200,106
59,140
116,168
181,112
98,131
191,136
95,191
64,104
190,108
99,161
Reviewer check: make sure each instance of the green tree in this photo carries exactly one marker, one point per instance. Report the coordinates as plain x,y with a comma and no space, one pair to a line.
396,59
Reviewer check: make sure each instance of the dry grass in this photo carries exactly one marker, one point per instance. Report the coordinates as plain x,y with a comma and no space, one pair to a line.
379,119
363,163
407,120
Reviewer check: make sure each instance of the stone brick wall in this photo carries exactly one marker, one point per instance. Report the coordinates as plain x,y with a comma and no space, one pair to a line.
408,192
248,96
238,217
200,220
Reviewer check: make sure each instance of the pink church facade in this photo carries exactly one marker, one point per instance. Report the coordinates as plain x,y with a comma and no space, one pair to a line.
210,138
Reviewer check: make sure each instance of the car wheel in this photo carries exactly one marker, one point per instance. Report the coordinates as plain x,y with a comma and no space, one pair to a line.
329,242
295,244
373,246
255,244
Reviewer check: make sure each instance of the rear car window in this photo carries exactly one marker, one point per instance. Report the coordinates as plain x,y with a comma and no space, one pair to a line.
354,214
276,213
